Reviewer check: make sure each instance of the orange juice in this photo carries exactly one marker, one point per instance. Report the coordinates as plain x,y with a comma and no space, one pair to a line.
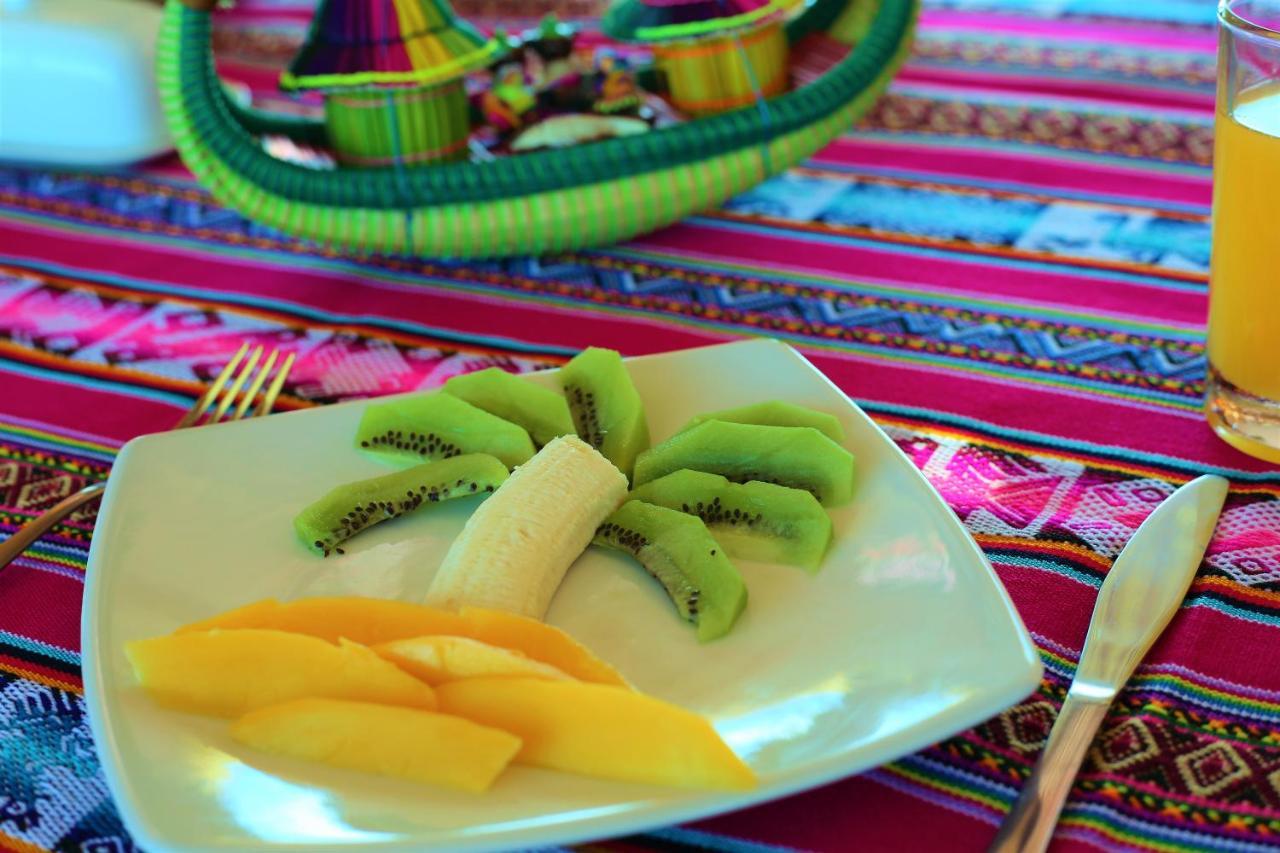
1244,290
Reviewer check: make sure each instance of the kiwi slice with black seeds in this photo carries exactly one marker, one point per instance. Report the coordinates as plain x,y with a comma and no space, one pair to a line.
353,507
606,407
796,457
776,413
539,410
753,521
678,551
438,426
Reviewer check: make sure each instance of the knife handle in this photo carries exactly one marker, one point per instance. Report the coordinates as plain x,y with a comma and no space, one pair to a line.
1029,827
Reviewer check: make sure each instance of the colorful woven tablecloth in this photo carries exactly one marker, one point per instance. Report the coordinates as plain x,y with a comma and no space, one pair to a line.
1005,264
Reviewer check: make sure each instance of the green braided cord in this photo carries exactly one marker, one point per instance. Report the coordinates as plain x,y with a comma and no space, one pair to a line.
584,215
761,102
194,86
398,157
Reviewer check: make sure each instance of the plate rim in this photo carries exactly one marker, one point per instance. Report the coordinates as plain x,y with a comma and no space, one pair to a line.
826,771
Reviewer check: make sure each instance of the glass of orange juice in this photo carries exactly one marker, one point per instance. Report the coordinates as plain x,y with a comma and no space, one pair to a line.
1242,399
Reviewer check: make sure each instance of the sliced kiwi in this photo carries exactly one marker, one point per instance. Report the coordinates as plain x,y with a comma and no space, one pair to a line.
438,426
776,413
677,550
541,411
606,407
753,521
352,507
797,457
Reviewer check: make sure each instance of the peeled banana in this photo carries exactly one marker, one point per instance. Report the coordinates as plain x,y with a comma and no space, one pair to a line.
517,546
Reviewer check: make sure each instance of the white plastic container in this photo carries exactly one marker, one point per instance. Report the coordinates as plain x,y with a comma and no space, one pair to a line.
77,82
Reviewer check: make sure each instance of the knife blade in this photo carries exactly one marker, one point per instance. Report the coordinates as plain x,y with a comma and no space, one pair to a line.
1138,597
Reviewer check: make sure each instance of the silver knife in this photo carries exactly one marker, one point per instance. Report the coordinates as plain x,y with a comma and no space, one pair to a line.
1137,599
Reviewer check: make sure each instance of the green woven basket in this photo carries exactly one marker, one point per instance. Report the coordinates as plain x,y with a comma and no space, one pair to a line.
551,200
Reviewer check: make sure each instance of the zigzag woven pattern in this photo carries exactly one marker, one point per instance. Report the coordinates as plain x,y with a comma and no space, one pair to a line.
1005,264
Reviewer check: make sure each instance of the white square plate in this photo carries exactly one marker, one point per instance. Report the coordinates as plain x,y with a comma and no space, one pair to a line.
903,638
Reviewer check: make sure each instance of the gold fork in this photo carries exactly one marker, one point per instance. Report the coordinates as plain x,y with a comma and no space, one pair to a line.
235,394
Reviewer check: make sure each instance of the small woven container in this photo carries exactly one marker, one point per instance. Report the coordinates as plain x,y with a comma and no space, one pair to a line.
392,76
724,72
409,125
716,55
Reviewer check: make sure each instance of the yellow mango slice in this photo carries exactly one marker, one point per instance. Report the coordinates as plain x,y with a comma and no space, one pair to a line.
227,673
600,730
539,641
419,745
373,621
439,659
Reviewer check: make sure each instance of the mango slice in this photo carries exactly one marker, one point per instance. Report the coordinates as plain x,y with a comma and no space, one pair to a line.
539,641
600,730
373,621
228,673
418,745
439,659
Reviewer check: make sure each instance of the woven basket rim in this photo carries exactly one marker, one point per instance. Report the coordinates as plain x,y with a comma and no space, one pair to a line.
221,127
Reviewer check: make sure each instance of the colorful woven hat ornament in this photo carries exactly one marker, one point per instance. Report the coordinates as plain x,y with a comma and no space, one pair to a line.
717,55
392,76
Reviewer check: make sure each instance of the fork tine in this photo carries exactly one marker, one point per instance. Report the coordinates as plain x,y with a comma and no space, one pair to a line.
193,414
255,386
269,399
230,394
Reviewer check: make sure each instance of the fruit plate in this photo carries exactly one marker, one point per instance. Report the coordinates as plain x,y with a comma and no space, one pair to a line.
903,638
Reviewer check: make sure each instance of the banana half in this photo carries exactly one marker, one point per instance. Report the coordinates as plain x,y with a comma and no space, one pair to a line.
515,549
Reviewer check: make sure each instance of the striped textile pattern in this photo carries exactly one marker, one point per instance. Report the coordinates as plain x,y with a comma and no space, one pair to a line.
1005,263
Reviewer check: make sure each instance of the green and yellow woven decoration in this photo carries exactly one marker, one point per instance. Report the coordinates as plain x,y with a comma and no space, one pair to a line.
724,72
392,77
716,55
549,200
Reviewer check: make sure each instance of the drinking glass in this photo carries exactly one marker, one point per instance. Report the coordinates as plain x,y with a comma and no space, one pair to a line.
1242,400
